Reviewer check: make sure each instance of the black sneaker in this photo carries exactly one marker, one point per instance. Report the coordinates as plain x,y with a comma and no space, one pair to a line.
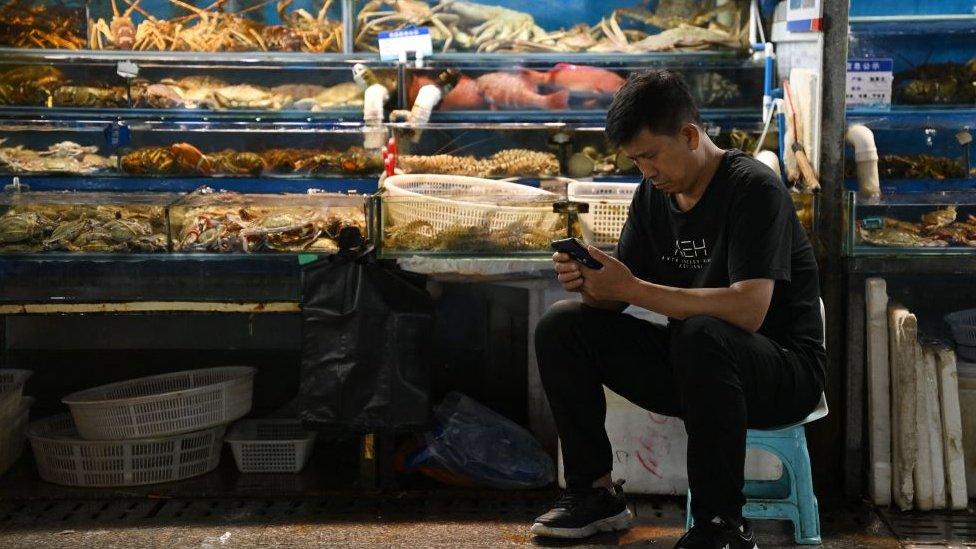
580,513
718,534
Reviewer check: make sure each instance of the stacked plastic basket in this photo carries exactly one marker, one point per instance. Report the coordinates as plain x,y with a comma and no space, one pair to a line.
14,410
963,327
142,431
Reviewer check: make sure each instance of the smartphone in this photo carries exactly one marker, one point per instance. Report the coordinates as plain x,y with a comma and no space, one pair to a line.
577,251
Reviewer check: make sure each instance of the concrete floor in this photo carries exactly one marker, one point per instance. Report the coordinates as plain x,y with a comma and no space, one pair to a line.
392,520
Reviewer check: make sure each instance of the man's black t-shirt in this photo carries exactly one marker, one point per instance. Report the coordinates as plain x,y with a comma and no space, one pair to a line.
744,226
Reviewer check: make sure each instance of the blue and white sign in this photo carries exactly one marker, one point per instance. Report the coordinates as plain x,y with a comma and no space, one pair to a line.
415,39
117,134
869,82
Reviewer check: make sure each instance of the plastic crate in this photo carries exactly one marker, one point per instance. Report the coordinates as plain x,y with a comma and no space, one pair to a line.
609,204
11,388
447,201
163,405
13,433
963,326
65,458
270,445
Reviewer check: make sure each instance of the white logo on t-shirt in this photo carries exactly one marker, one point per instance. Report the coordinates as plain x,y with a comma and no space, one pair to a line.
689,254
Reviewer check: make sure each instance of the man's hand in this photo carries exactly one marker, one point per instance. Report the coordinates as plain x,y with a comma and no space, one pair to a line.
613,282
607,288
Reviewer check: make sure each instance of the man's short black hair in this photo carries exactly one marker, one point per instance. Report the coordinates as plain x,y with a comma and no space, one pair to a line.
658,100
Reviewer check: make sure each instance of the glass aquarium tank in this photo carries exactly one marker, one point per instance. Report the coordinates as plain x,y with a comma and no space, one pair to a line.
480,150
214,221
40,148
506,88
934,60
559,26
912,224
467,216
920,152
87,222
245,26
48,24
243,150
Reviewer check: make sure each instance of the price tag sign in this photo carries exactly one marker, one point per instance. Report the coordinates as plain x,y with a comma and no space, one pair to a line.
869,82
415,39
117,134
127,69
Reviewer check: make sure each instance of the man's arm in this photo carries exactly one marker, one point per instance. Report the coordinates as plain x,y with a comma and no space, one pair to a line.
744,304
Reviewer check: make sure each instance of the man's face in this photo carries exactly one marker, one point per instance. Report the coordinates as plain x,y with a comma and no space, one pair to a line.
666,160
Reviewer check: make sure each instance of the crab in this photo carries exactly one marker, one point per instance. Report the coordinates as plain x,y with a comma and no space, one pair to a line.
24,226
373,19
248,97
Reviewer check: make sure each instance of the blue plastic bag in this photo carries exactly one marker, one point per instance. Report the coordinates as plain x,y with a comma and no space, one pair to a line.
477,444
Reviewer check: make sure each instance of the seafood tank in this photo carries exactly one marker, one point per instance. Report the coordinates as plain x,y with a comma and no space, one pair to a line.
245,26
913,223
479,86
90,222
558,26
920,152
31,149
934,62
43,24
457,215
206,150
480,150
208,220
86,81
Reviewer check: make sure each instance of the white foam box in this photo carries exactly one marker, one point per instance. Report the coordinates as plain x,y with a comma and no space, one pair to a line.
879,391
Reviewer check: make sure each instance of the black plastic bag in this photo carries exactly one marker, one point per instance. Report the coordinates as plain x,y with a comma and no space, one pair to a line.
366,344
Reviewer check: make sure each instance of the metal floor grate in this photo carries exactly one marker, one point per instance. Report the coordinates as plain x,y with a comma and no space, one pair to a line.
932,527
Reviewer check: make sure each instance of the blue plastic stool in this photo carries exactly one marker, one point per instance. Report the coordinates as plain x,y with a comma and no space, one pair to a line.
791,496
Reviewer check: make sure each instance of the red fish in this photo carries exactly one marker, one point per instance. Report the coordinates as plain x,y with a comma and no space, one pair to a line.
505,90
577,79
464,96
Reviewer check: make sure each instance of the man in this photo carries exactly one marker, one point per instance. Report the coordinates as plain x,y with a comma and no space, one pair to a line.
711,241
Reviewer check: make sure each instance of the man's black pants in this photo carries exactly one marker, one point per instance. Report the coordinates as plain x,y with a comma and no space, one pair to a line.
718,378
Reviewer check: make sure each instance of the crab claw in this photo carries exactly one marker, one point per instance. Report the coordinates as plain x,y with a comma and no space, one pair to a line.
190,158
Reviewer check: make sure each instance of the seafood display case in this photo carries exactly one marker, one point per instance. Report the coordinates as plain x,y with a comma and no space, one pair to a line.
173,85
56,24
942,223
526,151
548,86
216,221
559,26
243,26
251,150
89,222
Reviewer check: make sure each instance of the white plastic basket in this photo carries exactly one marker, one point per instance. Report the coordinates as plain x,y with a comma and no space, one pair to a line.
13,434
963,326
426,197
11,388
65,458
270,445
163,405
609,204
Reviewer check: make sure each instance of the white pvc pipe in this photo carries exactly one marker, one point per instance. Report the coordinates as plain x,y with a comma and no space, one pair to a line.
770,159
427,99
866,158
374,98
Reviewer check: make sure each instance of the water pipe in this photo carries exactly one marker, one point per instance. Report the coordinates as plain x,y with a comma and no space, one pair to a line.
866,158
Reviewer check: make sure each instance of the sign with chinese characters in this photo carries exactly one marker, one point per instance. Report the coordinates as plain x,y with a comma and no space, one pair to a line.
416,40
869,82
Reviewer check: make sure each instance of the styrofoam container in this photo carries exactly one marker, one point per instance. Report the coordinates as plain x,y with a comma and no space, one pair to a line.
11,388
967,407
65,458
12,435
963,326
270,445
163,405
